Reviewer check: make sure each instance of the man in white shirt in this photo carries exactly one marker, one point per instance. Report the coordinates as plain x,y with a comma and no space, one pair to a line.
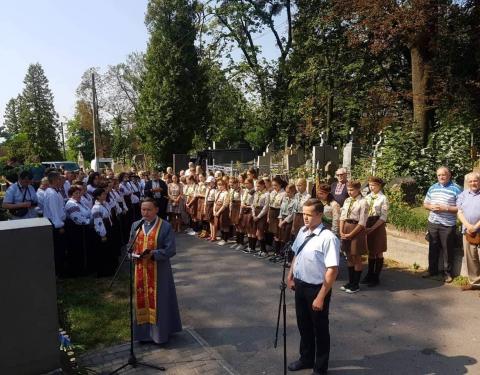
312,274
54,210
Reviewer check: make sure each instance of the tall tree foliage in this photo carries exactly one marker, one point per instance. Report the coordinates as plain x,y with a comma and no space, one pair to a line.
169,110
37,116
80,132
239,24
11,123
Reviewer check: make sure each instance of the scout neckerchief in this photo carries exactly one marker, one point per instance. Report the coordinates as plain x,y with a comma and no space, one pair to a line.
326,219
350,206
257,198
273,195
371,210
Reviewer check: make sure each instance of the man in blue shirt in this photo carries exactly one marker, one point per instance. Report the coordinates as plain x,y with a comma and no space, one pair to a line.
441,201
20,198
312,274
468,204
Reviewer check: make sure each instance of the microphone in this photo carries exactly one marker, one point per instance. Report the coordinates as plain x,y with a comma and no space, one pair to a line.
139,225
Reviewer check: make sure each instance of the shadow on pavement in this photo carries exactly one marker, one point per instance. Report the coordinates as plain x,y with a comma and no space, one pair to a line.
411,362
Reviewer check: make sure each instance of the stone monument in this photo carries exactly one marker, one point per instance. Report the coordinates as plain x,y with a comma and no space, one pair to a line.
28,317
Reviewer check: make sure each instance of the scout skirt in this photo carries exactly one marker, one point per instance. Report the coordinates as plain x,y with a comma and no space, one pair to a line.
273,220
246,222
297,223
222,221
285,232
357,245
200,207
209,211
260,225
235,212
376,240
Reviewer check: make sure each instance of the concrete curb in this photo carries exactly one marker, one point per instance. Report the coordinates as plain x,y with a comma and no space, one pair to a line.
409,252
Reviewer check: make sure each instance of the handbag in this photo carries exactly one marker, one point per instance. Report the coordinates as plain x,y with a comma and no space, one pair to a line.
473,239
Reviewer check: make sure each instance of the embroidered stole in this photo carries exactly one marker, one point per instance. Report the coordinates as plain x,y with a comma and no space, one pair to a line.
146,277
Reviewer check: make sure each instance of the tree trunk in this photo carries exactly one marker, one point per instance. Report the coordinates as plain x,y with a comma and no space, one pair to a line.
423,111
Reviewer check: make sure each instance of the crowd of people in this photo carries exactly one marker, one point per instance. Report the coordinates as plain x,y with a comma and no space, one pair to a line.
92,214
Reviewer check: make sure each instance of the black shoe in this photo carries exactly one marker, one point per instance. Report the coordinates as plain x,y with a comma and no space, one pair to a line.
367,279
345,287
299,365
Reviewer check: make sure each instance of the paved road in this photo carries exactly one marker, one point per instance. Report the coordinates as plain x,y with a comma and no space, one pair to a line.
406,326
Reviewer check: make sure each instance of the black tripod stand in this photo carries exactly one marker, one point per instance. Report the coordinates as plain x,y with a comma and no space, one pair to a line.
282,307
132,359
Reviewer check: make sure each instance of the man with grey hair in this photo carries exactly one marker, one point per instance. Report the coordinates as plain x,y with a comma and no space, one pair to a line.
441,201
468,204
339,188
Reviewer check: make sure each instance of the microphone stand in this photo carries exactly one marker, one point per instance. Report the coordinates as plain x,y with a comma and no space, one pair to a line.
282,307
132,359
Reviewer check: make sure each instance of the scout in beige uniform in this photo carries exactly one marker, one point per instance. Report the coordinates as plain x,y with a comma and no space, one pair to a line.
200,191
221,211
353,221
191,203
246,221
259,216
285,220
276,197
235,197
301,197
376,232
331,208
209,202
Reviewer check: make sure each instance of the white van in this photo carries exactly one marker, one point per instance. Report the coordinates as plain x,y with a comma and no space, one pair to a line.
101,164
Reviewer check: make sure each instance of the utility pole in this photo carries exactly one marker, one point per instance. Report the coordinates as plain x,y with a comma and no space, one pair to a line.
63,142
94,120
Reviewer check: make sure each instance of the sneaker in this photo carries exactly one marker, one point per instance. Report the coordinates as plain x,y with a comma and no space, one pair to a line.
221,243
239,247
352,289
248,251
345,287
262,255
448,279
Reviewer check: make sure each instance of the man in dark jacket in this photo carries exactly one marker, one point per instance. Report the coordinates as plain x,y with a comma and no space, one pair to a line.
157,189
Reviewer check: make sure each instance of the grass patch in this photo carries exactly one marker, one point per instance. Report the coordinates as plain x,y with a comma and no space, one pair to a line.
460,281
95,315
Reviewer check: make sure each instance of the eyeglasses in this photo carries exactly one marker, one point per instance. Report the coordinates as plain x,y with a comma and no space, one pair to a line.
340,174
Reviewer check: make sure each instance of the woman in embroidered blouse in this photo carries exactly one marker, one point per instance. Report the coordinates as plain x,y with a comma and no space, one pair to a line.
376,231
353,220
331,208
175,196
77,231
106,258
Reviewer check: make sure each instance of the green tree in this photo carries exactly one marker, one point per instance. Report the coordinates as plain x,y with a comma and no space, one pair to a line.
37,116
169,109
11,125
80,133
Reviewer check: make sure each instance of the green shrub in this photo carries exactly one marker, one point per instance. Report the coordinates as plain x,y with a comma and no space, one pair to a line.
406,218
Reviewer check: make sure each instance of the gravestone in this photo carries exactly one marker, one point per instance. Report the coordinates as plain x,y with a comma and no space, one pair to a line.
28,317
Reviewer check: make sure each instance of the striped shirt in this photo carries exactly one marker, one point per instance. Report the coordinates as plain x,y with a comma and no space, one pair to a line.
443,195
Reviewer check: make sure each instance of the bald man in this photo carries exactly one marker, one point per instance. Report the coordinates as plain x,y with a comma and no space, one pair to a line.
441,201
